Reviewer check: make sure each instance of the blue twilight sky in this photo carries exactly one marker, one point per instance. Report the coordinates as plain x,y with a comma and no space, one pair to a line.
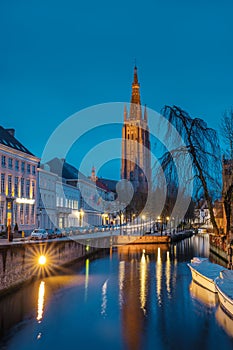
58,57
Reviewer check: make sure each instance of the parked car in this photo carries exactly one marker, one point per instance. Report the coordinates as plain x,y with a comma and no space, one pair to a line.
50,233
39,233
58,233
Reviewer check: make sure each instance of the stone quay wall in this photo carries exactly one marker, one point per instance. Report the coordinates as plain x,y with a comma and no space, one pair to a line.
19,261
223,247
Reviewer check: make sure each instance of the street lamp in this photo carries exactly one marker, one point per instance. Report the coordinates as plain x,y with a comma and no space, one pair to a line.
143,220
167,220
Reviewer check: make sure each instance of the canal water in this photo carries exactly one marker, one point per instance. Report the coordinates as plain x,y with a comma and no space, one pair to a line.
133,297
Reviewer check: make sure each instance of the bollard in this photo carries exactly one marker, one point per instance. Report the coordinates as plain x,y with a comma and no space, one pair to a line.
23,234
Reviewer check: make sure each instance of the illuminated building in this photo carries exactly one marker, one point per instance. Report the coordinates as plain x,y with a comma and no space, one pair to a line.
136,159
18,170
136,156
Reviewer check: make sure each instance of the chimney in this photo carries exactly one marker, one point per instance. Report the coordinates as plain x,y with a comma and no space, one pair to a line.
11,132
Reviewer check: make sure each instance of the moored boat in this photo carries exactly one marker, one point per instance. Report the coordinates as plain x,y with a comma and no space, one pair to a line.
204,272
224,286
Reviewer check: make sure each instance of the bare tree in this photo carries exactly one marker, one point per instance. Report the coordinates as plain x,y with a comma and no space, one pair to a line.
201,144
226,128
227,197
227,192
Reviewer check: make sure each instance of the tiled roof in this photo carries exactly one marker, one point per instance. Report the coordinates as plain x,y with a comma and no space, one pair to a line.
110,184
64,169
7,139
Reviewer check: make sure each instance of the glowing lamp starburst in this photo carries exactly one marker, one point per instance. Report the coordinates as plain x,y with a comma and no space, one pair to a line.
42,260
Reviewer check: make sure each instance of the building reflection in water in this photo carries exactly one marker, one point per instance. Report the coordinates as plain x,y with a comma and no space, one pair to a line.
143,281
168,274
203,295
135,291
159,276
132,292
40,308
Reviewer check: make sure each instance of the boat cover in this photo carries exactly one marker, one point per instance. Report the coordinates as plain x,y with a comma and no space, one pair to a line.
207,269
225,283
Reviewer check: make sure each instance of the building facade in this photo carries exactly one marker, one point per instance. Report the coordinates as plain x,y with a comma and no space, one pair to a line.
136,158
46,195
18,195
68,198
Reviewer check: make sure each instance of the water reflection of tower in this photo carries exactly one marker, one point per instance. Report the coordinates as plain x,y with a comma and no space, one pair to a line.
133,289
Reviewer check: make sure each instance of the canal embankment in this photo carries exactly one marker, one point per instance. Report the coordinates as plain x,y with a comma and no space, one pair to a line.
19,260
222,247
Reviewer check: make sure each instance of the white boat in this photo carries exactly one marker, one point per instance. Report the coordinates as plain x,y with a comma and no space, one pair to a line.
224,286
204,272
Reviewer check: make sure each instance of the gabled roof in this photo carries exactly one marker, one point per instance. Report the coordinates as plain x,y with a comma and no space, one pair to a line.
7,139
64,169
109,184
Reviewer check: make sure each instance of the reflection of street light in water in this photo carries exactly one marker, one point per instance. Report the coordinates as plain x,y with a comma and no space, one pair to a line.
40,301
159,275
86,278
143,281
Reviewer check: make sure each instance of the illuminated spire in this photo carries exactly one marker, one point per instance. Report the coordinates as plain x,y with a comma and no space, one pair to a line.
135,108
145,114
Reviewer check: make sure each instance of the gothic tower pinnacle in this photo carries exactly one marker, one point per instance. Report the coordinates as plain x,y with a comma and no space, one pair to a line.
135,107
136,159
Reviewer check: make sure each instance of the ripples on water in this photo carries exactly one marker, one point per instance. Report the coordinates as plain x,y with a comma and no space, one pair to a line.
136,297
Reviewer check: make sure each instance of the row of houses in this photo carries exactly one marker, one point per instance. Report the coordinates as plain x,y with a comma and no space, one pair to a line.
48,195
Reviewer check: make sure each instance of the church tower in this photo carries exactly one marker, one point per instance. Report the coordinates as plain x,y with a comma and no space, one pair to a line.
136,158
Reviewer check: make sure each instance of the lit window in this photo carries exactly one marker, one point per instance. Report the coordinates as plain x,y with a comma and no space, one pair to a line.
21,214
33,189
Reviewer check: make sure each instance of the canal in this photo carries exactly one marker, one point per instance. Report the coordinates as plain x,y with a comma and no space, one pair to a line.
133,297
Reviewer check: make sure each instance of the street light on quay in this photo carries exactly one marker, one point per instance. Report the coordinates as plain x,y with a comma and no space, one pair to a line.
143,221
42,260
167,221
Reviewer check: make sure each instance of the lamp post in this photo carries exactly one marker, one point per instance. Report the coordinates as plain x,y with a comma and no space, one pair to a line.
143,221
167,221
